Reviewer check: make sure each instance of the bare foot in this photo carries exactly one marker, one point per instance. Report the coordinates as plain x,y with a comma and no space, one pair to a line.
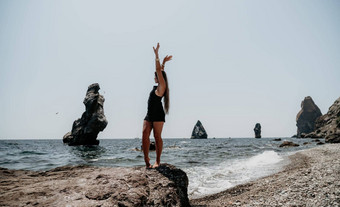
156,165
147,163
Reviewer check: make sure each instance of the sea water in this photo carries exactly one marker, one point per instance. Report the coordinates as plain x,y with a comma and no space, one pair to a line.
212,165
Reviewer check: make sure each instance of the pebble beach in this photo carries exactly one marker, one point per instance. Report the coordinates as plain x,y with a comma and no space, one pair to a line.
311,179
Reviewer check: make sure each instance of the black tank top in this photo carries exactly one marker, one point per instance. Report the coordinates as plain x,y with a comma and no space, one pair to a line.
155,107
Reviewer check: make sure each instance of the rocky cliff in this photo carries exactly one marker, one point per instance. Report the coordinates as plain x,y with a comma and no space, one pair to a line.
328,125
199,132
305,119
85,130
257,130
95,186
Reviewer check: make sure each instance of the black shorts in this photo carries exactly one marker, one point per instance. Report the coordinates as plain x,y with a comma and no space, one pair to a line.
156,117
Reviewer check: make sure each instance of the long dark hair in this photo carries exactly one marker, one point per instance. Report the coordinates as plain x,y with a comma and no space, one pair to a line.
166,93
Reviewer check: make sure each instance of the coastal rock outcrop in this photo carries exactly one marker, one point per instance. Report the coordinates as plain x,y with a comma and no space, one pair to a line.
199,132
257,130
95,186
305,119
85,130
328,125
288,144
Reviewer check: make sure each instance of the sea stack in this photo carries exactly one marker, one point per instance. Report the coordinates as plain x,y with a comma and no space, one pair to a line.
328,125
305,119
85,130
257,130
199,132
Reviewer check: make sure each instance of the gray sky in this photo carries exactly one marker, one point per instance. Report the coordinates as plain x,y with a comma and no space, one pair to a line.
235,63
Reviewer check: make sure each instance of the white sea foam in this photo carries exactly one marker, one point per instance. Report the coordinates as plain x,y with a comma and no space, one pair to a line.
93,160
263,159
213,179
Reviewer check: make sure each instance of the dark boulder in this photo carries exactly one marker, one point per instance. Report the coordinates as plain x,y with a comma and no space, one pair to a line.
288,144
257,130
333,138
199,132
85,130
152,146
305,119
279,139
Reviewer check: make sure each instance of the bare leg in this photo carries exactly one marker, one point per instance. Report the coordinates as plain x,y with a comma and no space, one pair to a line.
147,127
157,132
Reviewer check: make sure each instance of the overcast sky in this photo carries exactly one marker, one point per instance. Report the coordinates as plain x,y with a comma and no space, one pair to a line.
235,63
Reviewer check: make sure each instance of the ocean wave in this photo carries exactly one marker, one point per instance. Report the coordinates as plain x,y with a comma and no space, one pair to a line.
205,180
265,158
32,153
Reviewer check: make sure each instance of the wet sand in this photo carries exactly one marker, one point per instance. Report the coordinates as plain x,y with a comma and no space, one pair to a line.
311,179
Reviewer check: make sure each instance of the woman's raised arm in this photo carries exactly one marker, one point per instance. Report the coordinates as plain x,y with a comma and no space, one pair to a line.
161,82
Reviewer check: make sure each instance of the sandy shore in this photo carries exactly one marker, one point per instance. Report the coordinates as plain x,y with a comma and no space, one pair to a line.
311,179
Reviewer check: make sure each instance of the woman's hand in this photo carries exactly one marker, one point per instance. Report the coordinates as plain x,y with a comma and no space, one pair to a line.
158,64
156,50
166,59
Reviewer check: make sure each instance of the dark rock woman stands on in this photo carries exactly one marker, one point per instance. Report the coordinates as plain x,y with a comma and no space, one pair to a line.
155,117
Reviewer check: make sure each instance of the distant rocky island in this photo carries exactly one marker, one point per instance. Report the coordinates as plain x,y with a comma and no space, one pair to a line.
307,116
199,132
328,125
85,130
257,130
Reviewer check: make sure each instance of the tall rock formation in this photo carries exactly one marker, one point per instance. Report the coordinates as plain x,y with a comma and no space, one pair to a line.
328,125
199,132
257,130
305,119
85,130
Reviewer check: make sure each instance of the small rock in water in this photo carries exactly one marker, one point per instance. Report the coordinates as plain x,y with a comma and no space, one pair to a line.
152,146
288,144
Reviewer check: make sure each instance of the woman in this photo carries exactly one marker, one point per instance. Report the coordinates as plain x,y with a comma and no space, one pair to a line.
155,117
